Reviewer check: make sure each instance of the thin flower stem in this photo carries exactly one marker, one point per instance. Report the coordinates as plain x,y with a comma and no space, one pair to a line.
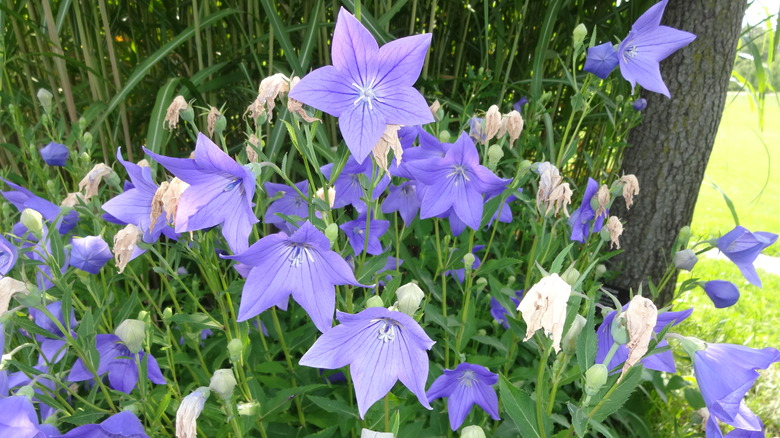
556,378
290,366
464,312
440,269
612,350
387,412
540,388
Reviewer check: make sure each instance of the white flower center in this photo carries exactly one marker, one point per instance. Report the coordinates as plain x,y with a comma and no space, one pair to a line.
299,252
459,173
366,94
386,330
467,378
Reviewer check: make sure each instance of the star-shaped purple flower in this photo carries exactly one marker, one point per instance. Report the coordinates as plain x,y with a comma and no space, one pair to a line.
456,181
347,184
743,247
18,419
120,364
381,347
301,265
367,87
356,233
8,256
22,198
601,60
465,386
290,204
90,253
124,424
583,220
404,200
647,44
220,193
659,362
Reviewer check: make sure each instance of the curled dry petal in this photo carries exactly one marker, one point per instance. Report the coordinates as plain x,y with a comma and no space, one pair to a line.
91,181
170,199
388,141
513,123
211,120
544,307
320,193
630,188
270,88
251,148
157,203
602,197
296,106
435,107
615,229
8,288
124,244
72,199
492,122
172,114
641,318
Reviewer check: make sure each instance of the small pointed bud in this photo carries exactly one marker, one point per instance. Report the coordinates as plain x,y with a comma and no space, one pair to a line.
409,298
444,136
472,431
685,259
33,220
595,379
569,342
167,313
571,276
189,411
332,233
235,350
174,111
125,242
436,110
249,409
132,332
544,307
495,154
91,181
170,198
374,301
85,158
641,318
630,188
578,35
492,123
8,288
223,382
613,229
45,97
188,115
143,315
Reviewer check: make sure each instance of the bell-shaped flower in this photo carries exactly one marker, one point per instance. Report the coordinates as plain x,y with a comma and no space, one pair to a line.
367,87
583,220
290,204
722,293
725,373
54,154
742,248
89,253
660,361
347,184
601,60
647,44
301,265
381,347
19,420
122,425
404,200
456,181
120,363
465,386
8,256
356,233
220,193
22,198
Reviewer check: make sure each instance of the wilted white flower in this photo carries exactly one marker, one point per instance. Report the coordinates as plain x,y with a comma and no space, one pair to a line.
615,229
173,112
388,141
492,123
189,411
270,88
552,190
602,197
296,106
124,245
170,198
91,180
630,188
641,318
512,124
320,193
251,149
544,307
8,288
435,107
72,199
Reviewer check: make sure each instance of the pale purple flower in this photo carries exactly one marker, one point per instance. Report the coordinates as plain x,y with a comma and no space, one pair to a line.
19,420
404,200
347,184
583,220
722,293
8,256
367,87
601,60
22,198
220,193
381,347
301,265
120,364
647,44
465,386
659,362
356,234
20,378
430,147
499,312
743,247
52,349
518,106
122,425
89,253
725,373
290,204
54,154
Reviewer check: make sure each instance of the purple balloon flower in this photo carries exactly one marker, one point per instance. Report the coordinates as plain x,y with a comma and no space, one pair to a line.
134,205
367,87
430,147
725,373
601,60
456,181
583,220
518,106
120,364
742,248
54,154
381,347
8,256
465,386
301,265
356,233
640,104
220,193
404,200
90,253
19,420
290,204
499,312
647,44
347,184
660,362
22,198
722,293
124,424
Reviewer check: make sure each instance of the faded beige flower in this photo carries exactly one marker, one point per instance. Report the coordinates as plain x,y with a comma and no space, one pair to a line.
296,106
211,120
492,122
435,107
170,198
544,307
72,199
560,198
143,163
641,318
91,181
8,288
270,88
251,148
602,197
388,141
189,411
553,192
320,193
172,114
630,188
124,245
157,204
615,229
512,124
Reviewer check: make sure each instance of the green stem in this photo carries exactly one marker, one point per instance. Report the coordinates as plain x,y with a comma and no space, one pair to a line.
540,390
290,366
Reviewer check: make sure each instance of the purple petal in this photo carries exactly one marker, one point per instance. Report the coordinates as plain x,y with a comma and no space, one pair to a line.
362,127
123,374
326,89
402,61
353,48
722,293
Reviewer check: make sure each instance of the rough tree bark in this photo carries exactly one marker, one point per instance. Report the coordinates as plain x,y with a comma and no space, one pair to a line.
669,151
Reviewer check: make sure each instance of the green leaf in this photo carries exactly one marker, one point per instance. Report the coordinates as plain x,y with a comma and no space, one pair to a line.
197,321
493,342
579,419
282,35
82,418
520,408
492,265
587,342
617,398
557,264
333,406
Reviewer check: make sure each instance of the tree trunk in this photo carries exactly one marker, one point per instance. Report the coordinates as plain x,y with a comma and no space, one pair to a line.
669,150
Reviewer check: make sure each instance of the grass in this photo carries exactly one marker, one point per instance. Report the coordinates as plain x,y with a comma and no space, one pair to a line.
745,164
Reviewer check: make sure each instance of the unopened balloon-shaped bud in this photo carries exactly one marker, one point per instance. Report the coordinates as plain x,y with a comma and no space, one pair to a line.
495,154
249,409
223,382
595,379
375,301
44,97
468,261
569,342
685,259
332,233
33,221
409,298
235,350
472,431
571,276
619,330
132,332
578,35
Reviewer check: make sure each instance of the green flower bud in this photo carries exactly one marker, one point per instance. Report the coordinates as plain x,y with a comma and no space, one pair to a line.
468,261
595,378
619,329
601,269
86,141
571,276
51,186
132,333
569,342
167,313
444,136
495,154
26,391
249,409
578,35
332,233
473,431
85,158
187,114
44,97
683,237
409,297
685,259
374,301
135,408
143,315
235,350
220,125
223,382
82,124
33,221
